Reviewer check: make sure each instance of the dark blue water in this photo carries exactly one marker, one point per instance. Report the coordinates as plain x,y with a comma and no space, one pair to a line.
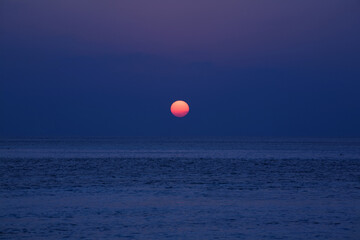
180,188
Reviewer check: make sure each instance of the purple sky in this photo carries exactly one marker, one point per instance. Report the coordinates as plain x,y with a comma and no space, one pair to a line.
237,31
283,67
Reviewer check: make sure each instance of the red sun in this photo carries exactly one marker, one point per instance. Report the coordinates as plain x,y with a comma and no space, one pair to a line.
179,108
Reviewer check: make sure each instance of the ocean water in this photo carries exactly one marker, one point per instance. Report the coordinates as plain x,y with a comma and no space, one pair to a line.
180,188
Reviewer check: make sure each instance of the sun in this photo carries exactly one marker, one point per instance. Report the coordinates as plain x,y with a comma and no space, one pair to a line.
179,108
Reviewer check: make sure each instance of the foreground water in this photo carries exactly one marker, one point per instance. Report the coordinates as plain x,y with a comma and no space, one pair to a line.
180,188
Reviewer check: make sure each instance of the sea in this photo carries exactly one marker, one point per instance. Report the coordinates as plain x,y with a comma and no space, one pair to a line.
180,188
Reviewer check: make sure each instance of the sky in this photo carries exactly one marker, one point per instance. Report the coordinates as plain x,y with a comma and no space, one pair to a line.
113,68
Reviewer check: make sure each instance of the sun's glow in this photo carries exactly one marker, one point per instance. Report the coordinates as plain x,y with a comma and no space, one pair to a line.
179,108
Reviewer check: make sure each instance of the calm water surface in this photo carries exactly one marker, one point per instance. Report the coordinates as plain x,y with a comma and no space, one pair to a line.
180,188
